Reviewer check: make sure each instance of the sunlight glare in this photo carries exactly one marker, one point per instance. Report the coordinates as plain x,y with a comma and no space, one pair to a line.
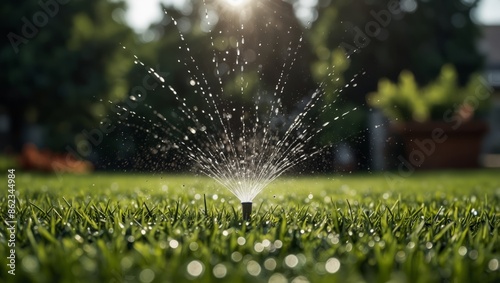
236,2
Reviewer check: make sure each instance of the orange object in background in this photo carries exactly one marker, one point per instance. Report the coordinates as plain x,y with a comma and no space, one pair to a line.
44,160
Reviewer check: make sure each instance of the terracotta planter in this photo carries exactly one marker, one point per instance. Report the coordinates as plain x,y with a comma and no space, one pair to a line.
437,145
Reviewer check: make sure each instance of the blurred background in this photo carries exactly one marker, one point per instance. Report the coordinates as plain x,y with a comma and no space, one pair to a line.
424,76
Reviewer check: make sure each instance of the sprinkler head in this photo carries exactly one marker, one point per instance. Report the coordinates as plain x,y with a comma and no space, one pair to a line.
247,210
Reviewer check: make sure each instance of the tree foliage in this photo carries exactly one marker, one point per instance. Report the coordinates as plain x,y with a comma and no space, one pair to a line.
60,59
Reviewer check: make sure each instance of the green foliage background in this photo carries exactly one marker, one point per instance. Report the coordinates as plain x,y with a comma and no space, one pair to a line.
60,81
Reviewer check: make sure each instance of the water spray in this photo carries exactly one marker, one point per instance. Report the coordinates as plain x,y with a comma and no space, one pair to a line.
243,153
246,207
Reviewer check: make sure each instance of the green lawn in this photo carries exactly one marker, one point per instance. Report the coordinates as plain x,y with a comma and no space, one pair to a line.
431,227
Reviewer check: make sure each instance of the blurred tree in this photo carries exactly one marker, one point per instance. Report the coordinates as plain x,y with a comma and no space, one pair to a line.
59,60
268,37
371,39
382,38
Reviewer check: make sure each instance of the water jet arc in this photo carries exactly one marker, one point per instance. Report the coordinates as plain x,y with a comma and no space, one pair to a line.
247,210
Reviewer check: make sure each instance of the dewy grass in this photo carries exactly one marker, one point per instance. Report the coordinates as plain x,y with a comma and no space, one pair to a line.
440,227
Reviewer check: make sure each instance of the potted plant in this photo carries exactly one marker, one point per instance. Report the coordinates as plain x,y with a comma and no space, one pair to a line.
439,124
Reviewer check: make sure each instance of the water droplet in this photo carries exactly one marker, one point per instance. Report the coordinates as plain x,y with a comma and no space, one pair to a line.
258,247
30,264
241,241
147,275
278,278
270,264
278,244
236,256
193,246
195,268
473,254
173,244
462,251
493,264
